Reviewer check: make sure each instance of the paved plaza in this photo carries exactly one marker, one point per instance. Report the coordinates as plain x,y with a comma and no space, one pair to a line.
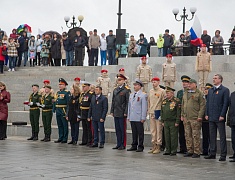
21,159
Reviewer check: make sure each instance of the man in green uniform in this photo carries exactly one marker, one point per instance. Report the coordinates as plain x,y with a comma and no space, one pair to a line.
60,107
193,109
34,112
84,102
170,118
185,81
47,105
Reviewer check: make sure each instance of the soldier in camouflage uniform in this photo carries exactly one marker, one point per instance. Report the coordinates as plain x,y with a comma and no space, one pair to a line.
170,118
105,82
193,109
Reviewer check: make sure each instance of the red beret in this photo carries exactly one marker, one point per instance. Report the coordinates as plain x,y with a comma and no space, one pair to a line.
122,69
203,45
144,57
104,70
169,55
156,79
46,81
77,79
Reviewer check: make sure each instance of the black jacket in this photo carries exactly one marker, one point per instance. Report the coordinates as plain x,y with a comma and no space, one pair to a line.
68,45
206,39
23,41
98,108
120,101
81,42
84,104
72,108
187,42
168,40
231,112
55,49
111,42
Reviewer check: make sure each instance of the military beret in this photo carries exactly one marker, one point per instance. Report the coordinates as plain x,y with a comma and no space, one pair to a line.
208,86
77,79
155,79
185,78
35,85
62,81
192,81
162,87
46,81
203,45
49,87
143,58
169,55
122,69
121,76
169,89
104,70
137,81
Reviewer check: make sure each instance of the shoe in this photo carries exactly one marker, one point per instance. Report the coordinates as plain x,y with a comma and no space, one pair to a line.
195,156
31,138
94,145
58,141
173,154
232,157
121,148
43,139
101,146
2,138
132,149
181,152
75,143
204,154
82,144
222,158
13,69
233,160
166,153
63,142
35,138
9,70
116,147
188,154
210,157
71,142
139,150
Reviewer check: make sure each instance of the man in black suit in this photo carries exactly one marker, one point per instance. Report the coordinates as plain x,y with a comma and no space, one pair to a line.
216,109
97,114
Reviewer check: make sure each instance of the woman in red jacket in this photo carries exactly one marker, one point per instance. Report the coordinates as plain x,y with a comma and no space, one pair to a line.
2,57
5,98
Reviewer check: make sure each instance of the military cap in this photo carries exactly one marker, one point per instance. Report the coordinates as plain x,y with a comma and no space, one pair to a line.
155,79
137,81
35,85
185,78
104,70
163,87
121,76
192,81
208,86
46,81
86,83
49,87
169,55
77,79
122,69
169,89
62,81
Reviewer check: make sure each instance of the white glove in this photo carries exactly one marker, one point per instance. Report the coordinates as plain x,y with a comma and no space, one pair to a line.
159,118
109,94
30,104
42,105
38,104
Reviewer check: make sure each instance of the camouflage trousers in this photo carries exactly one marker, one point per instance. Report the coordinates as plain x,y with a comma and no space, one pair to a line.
193,135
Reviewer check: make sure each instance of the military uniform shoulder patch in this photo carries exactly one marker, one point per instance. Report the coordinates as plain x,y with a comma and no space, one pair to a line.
127,87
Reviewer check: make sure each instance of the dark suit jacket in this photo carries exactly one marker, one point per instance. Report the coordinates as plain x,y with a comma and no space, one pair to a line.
231,112
98,108
217,103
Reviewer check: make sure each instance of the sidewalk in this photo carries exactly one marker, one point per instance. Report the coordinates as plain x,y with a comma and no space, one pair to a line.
21,159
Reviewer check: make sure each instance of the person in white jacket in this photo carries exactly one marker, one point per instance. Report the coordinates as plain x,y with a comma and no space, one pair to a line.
103,49
38,51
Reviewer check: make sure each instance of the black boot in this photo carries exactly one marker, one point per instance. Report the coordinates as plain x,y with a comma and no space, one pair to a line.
44,138
31,138
35,137
48,138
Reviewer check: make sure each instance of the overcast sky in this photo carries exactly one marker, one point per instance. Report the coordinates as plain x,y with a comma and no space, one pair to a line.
148,16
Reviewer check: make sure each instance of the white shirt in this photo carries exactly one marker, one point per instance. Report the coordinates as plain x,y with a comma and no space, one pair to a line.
103,44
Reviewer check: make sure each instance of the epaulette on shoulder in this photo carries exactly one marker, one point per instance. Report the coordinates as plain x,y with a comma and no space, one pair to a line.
90,92
66,90
127,87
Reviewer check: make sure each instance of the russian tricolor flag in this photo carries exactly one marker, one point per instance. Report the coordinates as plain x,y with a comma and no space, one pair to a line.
196,31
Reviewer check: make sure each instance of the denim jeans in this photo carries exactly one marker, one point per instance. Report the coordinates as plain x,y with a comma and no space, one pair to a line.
111,54
25,54
160,52
69,58
12,62
103,57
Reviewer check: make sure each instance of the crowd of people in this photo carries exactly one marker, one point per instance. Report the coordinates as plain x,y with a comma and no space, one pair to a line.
57,50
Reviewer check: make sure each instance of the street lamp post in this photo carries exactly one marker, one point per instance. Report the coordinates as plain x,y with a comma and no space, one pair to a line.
73,24
184,17
119,14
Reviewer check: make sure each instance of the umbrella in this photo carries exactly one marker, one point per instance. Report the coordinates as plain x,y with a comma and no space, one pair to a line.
72,33
22,27
51,33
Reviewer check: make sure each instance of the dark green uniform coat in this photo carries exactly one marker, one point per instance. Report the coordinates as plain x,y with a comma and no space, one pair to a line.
34,112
